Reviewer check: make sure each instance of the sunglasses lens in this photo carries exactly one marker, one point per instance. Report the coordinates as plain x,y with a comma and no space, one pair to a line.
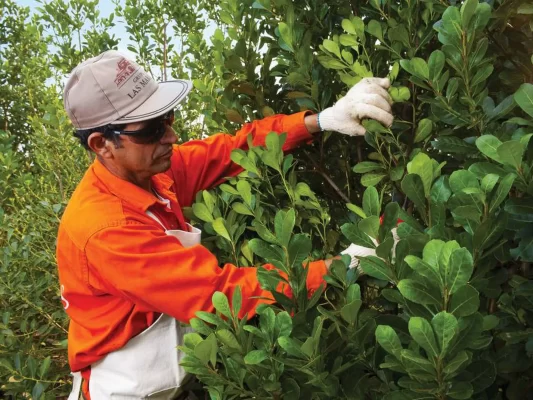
152,133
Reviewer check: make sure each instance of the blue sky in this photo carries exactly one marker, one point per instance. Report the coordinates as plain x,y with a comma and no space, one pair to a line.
106,7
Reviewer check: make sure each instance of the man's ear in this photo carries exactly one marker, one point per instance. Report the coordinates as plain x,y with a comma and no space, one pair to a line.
100,145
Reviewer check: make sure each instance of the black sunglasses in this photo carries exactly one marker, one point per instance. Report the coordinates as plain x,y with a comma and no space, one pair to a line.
153,131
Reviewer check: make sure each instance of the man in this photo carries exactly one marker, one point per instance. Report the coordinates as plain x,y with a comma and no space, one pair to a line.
130,266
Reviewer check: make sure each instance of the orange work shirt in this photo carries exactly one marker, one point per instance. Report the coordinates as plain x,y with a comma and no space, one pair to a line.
118,269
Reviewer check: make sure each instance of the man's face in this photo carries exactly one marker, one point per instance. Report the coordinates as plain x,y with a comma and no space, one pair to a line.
140,157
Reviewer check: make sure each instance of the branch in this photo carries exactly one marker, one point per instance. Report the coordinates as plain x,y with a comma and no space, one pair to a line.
327,178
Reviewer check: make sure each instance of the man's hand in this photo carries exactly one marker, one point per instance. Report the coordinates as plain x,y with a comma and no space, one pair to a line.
368,99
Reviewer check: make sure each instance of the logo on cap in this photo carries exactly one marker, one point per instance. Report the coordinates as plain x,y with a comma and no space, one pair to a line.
124,70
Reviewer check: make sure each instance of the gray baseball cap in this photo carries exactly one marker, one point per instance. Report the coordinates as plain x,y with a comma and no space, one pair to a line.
112,89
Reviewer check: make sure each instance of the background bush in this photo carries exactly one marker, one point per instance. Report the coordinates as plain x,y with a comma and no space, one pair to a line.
446,314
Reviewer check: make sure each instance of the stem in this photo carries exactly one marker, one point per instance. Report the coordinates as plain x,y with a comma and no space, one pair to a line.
6,125
289,192
165,51
359,151
327,178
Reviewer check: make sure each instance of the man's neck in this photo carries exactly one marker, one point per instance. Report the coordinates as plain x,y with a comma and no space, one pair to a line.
142,182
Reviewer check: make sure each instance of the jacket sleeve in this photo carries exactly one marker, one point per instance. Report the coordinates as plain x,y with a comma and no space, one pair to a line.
202,164
156,272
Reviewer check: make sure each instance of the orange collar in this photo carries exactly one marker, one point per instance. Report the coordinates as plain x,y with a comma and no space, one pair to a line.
133,194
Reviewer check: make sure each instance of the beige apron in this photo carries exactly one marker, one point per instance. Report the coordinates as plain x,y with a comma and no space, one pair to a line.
147,367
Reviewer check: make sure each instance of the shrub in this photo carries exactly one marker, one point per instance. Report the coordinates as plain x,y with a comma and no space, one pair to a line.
444,314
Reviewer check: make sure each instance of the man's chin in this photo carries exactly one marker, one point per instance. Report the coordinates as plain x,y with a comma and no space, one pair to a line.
162,166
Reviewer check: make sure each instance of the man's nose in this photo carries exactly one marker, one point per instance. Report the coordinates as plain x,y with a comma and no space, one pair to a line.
169,137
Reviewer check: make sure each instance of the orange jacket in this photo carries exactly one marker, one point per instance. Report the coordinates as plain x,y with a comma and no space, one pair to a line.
118,270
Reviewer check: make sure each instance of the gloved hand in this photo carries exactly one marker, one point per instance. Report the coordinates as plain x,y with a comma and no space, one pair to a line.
367,99
355,251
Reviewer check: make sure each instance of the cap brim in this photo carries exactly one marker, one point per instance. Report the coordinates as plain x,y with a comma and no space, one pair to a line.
167,96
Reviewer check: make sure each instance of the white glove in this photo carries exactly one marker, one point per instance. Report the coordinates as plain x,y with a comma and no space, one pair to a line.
355,251
367,99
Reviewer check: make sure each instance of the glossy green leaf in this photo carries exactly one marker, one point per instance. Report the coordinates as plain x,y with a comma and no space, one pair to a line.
264,233
206,350
488,145
425,126
245,190
417,67
436,64
370,226
221,304
389,220
348,40
481,374
299,249
460,390
458,270
481,17
201,211
374,28
418,292
464,302
372,179
375,267
489,182
441,191
456,363
240,208
422,166
468,10
371,202
255,357
219,225
236,301
355,235
286,34
482,74
353,293
445,327
332,47
511,153
502,191
389,340
348,26
264,250
291,347
356,209
347,56
424,269
414,189
489,232
422,332
228,339
463,179
37,391
490,322
366,166
350,311
417,366
283,323
524,98
284,224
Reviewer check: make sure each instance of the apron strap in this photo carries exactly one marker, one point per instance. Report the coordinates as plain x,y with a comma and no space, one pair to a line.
76,393
154,217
